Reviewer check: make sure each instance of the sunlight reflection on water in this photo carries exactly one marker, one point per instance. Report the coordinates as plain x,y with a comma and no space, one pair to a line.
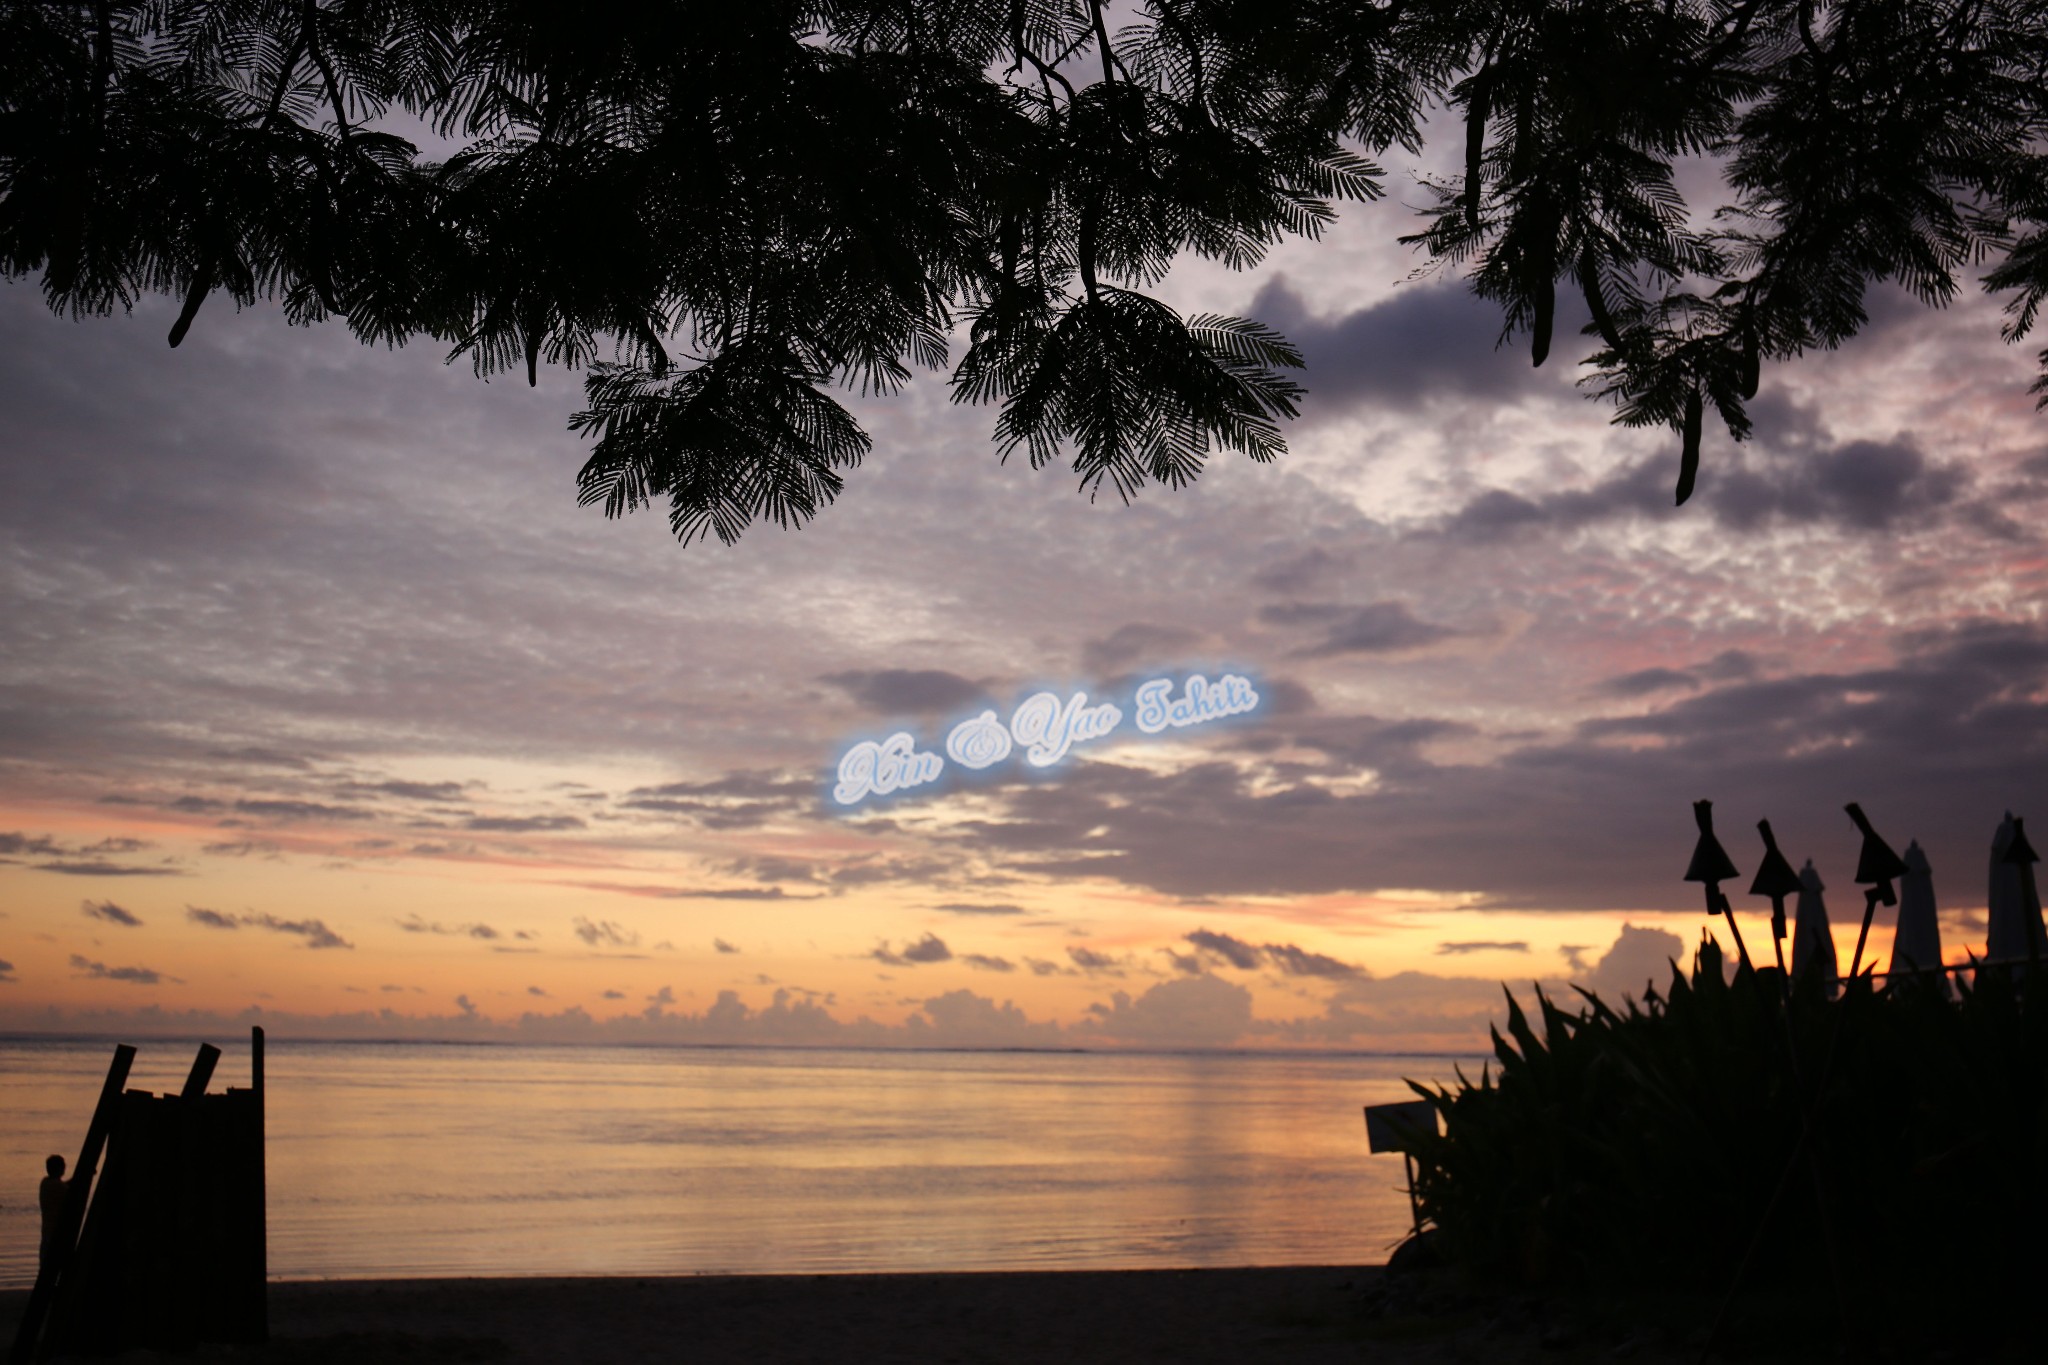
428,1159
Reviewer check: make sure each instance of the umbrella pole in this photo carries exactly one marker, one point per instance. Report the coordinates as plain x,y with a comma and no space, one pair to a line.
1870,900
1718,903
1778,944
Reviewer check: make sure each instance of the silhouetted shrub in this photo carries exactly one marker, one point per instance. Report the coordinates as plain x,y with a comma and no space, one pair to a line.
1650,1150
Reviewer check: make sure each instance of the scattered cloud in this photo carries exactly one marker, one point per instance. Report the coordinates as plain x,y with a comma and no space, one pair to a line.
605,933
1289,959
521,824
109,913
255,755
929,948
437,792
298,812
1792,476
876,871
1858,486
100,971
907,691
314,931
1302,573
1645,681
774,868
1375,628
962,1018
697,893
1234,951
1094,963
1296,961
241,848
415,924
1410,1009
736,801
1481,945
1639,958
93,867
1423,343
1137,643
722,946
1190,1011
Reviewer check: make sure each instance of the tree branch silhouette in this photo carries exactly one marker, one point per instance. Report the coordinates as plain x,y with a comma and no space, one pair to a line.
704,204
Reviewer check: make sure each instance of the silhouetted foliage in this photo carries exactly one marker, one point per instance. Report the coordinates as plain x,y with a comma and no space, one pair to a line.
724,210
1643,1150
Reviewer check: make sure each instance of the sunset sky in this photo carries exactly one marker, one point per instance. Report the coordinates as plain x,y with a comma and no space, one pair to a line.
320,697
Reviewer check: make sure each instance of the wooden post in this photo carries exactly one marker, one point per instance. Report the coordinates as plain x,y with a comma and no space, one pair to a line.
262,1190
76,1196
201,1073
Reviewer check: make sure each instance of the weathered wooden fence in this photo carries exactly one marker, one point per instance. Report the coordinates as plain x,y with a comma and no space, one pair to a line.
166,1248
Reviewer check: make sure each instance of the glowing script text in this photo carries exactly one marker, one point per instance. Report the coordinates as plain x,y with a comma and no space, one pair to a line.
1044,725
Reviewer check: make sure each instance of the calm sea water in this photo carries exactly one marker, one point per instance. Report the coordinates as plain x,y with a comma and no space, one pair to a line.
390,1160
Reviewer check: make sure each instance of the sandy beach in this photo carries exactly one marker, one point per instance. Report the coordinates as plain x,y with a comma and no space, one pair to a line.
1303,1316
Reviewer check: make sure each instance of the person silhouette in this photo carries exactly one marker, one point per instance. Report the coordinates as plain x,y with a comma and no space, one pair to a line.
53,1190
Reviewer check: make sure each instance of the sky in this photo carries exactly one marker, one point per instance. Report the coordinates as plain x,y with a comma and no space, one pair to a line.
323,705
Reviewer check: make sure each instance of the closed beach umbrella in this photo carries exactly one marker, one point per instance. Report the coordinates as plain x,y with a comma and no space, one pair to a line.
1813,941
2021,855
2005,902
1917,945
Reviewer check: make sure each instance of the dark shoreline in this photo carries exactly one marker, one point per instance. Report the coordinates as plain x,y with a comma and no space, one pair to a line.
1291,1315
1301,1315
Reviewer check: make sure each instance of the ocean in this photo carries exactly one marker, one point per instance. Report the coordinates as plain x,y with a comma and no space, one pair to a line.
390,1160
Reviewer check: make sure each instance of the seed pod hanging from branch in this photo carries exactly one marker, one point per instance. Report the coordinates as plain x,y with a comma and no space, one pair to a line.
1541,265
1752,360
1589,285
1689,456
1475,143
1546,314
